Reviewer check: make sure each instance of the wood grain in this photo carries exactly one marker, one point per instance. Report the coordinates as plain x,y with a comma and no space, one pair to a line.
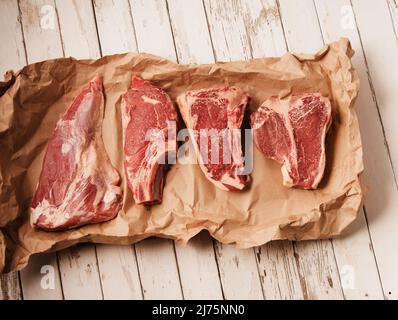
12,51
383,75
119,272
354,250
278,271
302,34
158,270
240,280
50,47
117,34
78,29
196,264
9,287
79,273
115,26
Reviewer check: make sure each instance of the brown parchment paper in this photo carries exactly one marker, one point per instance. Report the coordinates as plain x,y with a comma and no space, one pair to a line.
33,99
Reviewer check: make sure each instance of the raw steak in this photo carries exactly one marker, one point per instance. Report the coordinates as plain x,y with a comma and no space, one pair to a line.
292,131
148,117
77,184
218,113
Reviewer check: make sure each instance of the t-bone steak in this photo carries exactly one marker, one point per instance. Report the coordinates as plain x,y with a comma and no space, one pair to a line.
149,118
77,184
292,131
215,116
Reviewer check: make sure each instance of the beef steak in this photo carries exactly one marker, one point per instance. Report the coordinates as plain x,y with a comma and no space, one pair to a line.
147,116
217,114
77,184
292,132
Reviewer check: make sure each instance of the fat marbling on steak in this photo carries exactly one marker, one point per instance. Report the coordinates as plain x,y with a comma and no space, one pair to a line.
78,184
292,132
215,115
148,117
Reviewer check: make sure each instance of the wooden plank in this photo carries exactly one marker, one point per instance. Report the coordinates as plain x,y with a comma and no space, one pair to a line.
9,287
237,267
263,27
40,30
258,32
79,265
41,26
79,273
317,270
278,271
12,51
232,24
316,263
116,34
394,15
354,251
239,273
276,262
196,262
158,270
115,27
198,269
383,74
190,31
199,49
48,37
119,272
381,63
227,28
152,27
77,27
116,264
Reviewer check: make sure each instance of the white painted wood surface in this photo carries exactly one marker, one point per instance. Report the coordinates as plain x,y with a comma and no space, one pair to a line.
202,32
119,272
382,68
354,253
50,47
123,38
233,274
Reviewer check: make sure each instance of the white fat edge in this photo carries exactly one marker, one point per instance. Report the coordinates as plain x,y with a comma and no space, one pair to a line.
52,215
283,107
287,180
228,180
235,141
322,160
110,196
65,148
125,119
259,122
91,160
150,100
184,102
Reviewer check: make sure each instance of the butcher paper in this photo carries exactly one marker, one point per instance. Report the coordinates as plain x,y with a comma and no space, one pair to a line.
34,98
